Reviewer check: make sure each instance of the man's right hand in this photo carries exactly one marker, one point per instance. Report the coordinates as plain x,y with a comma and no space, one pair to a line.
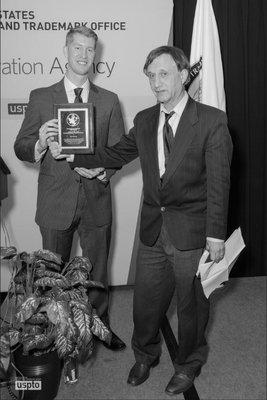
47,131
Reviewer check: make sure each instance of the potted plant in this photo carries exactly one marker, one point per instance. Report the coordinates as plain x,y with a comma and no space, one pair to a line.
48,315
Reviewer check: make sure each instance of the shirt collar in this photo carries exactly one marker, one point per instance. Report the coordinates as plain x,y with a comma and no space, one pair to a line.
69,86
179,108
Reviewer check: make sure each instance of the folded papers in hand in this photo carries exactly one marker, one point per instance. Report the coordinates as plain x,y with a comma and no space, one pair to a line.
213,274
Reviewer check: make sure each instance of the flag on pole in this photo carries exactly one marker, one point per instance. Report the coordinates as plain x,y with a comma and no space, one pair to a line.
206,73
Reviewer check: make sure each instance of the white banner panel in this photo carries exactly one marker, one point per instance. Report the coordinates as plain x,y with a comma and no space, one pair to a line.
32,38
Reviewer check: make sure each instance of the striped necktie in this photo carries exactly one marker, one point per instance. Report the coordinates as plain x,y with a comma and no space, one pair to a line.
78,97
168,137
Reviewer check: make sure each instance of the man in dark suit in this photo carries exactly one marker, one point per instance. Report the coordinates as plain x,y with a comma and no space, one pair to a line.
185,152
66,201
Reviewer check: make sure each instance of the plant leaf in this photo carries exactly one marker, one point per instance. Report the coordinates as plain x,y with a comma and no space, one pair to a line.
14,336
4,364
5,345
38,318
54,293
63,345
94,284
41,272
73,294
83,322
43,264
30,329
83,305
21,275
85,350
9,337
58,313
31,342
80,263
47,281
20,299
26,257
48,256
71,330
76,276
8,252
19,288
27,308
99,329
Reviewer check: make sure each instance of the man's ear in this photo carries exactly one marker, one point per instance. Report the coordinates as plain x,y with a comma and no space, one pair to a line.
184,75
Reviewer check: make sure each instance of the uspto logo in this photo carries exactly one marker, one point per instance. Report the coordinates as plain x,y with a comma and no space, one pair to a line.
73,119
28,385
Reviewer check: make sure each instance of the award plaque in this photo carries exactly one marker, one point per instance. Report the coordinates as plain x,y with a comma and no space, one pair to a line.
75,127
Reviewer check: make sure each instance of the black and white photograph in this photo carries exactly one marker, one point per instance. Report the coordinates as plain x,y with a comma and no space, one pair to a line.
133,174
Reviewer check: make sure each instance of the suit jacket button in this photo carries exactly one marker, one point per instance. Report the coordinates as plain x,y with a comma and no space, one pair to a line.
162,209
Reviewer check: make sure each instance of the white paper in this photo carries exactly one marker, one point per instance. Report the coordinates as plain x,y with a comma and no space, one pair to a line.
213,274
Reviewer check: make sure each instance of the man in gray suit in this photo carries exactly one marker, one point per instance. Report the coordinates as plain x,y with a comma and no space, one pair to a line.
185,153
68,202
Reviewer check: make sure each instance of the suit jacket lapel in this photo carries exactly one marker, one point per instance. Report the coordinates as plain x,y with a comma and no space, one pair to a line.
151,137
93,94
59,94
183,137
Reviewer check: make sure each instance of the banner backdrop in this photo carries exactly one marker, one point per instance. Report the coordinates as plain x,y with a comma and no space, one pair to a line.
32,39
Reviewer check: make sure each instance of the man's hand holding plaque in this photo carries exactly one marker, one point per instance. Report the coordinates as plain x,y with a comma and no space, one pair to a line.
56,151
47,133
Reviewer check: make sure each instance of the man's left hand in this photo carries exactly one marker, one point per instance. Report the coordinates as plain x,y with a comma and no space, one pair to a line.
216,250
89,173
55,150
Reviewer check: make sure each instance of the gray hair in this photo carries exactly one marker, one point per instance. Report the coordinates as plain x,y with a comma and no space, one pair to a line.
177,55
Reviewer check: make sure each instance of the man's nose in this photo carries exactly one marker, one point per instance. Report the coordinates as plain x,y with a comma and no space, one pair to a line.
157,82
84,53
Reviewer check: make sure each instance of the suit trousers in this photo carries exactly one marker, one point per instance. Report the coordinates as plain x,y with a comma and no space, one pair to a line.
161,271
95,244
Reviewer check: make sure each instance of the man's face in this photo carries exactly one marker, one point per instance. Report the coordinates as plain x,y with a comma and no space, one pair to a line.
166,81
80,54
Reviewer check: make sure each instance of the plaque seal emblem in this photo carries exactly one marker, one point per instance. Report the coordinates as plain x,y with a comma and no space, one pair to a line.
73,119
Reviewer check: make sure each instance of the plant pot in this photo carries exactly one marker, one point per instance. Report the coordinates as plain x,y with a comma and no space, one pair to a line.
44,370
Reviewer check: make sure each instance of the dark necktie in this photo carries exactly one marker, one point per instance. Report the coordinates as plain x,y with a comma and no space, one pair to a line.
168,137
78,97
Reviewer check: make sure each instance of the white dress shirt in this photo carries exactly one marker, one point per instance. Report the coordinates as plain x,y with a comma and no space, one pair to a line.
69,87
173,122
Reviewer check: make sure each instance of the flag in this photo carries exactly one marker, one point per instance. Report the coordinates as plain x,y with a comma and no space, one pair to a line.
206,73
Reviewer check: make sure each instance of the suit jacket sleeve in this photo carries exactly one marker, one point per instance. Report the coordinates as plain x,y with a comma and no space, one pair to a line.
115,156
218,159
116,131
29,131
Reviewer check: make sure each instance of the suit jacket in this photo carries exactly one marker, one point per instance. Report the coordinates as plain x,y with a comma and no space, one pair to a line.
192,196
58,184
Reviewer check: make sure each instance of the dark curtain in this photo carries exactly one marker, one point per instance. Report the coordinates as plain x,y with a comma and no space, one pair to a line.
242,30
